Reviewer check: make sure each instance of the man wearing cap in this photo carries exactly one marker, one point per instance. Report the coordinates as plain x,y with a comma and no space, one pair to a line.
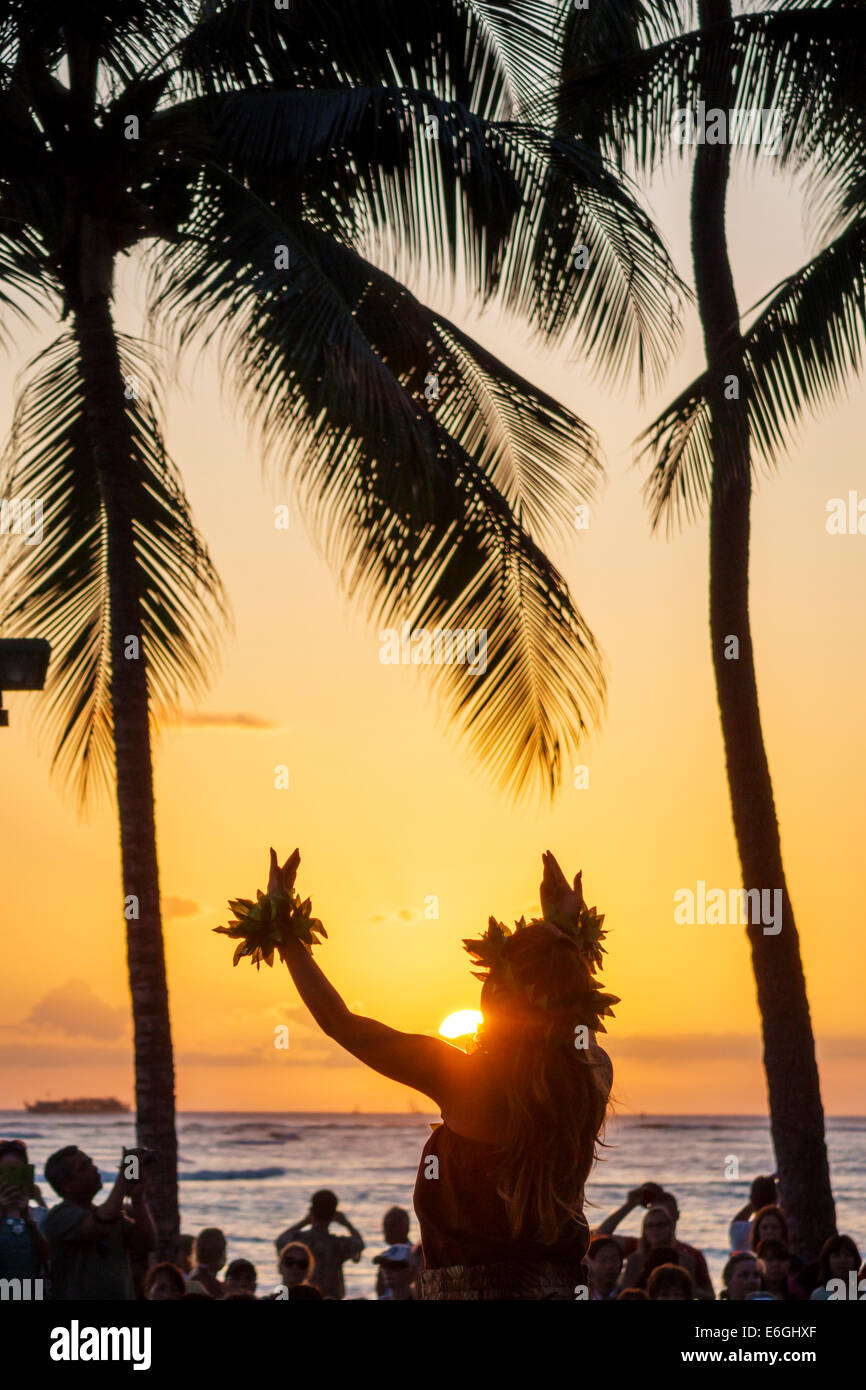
395,1229
395,1264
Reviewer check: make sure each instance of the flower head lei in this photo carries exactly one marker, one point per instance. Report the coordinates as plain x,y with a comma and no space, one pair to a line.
562,907
278,916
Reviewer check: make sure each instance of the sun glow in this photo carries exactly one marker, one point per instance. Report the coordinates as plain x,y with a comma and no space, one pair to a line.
461,1025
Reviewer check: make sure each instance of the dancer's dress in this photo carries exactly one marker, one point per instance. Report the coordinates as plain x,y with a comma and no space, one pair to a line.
469,1252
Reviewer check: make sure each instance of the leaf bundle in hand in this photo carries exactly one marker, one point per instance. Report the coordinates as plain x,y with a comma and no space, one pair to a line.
267,926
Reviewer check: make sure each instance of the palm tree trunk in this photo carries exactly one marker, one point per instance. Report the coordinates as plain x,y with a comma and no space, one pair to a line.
796,1111
111,442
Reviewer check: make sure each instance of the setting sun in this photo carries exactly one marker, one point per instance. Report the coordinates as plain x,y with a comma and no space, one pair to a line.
460,1025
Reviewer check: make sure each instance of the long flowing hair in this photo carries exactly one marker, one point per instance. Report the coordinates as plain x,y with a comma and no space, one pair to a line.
534,1039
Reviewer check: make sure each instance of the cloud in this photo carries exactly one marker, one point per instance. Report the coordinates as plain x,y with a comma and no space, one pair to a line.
41,1055
717,1047
70,1028
310,1049
211,719
21,1056
399,917
74,1009
180,907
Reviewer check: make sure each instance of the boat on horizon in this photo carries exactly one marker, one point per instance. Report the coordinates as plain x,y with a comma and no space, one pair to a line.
80,1105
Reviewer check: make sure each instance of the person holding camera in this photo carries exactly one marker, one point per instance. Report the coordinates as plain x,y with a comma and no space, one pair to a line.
90,1245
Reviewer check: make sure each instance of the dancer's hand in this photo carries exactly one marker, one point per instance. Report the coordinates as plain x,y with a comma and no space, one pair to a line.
282,880
557,898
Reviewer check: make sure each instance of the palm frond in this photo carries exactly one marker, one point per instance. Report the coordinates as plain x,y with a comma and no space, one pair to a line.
332,356
331,300
118,35
623,306
24,284
806,64
540,456
797,355
58,588
364,154
27,277
544,684
489,56
507,201
601,33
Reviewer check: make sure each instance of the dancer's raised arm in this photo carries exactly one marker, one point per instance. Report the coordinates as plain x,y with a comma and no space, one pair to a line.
279,923
429,1065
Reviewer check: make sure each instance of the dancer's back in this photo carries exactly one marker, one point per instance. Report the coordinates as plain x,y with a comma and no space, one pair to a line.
471,1250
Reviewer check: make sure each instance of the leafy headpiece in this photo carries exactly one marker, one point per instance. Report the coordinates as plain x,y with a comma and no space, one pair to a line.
562,907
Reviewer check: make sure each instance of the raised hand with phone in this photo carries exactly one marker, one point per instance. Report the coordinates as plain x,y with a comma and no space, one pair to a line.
90,1243
23,1250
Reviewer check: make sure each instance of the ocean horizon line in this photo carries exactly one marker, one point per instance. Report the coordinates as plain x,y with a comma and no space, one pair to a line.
616,1115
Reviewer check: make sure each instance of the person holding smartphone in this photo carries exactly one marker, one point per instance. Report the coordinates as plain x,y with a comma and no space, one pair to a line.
23,1248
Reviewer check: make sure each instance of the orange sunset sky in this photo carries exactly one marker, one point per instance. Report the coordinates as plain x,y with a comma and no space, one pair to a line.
388,807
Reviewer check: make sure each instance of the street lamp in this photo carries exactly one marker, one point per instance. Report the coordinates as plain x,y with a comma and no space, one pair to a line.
23,665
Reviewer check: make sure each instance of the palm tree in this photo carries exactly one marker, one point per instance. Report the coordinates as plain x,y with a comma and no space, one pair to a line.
806,60
258,157
789,1046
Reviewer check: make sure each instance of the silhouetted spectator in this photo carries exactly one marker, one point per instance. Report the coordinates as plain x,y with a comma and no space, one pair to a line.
669,1283
23,1248
664,1255
395,1229
240,1278
774,1263
210,1256
183,1251
296,1265
762,1193
656,1232
741,1277
770,1223
164,1283
395,1265
89,1245
695,1262
330,1252
839,1256
604,1262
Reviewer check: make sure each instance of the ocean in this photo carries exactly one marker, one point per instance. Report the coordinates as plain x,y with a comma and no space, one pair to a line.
253,1174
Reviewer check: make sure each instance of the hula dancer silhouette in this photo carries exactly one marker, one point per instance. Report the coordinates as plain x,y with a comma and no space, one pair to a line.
500,1187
